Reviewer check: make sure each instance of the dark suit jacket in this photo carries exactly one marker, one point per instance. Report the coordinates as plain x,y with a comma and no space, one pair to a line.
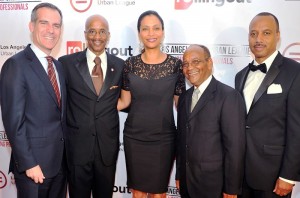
32,119
90,116
273,126
211,142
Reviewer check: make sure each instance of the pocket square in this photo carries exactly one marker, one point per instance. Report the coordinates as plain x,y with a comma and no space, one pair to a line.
113,87
274,89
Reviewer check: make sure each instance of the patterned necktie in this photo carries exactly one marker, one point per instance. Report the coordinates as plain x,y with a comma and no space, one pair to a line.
97,75
195,98
52,77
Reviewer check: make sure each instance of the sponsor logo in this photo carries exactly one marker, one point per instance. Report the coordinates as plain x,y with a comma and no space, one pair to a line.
228,59
185,4
9,50
175,49
121,189
182,4
12,47
15,4
3,139
173,192
77,46
116,2
3,180
224,53
292,51
81,5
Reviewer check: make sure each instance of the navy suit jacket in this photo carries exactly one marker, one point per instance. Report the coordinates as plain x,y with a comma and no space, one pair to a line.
273,126
211,142
90,116
31,117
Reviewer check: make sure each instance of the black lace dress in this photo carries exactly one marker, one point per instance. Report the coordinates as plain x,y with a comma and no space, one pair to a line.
149,131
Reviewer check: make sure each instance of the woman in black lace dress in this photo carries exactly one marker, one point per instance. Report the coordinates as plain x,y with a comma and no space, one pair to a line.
152,81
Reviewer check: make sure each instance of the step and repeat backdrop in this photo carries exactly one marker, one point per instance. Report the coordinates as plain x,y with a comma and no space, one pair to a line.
222,25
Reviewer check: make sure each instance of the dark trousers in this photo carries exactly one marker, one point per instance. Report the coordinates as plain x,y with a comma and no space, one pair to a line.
93,177
249,192
55,187
184,194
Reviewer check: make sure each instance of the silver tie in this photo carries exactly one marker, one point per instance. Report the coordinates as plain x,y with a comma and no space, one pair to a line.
195,98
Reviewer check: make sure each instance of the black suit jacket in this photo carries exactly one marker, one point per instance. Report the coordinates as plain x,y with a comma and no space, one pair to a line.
90,116
32,119
273,126
211,142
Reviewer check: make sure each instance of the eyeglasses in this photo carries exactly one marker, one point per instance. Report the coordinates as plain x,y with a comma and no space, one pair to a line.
93,32
193,63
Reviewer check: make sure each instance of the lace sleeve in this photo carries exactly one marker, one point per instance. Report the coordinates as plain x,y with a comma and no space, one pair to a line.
125,80
180,84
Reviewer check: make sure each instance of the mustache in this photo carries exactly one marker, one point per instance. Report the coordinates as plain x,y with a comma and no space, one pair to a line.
259,45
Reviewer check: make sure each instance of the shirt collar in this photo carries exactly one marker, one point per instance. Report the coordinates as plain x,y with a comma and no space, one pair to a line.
91,56
39,53
269,60
204,85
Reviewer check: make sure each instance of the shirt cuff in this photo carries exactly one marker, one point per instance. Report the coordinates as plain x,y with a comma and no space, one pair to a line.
288,181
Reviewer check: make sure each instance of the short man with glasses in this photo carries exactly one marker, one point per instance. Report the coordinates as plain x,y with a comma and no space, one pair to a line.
211,132
93,80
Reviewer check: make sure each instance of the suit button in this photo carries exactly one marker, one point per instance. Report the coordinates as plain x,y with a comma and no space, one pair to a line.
186,146
62,139
187,163
96,117
93,134
98,100
248,127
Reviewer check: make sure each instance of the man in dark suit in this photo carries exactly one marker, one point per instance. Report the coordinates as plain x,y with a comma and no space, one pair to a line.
211,132
92,115
271,92
33,109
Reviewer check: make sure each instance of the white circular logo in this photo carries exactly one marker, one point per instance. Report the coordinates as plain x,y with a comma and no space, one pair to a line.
81,5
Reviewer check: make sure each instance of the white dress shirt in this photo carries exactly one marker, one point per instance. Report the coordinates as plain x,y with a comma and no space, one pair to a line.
203,86
90,56
254,79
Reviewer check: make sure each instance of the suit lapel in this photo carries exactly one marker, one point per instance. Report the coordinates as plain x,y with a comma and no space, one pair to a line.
241,82
206,96
189,100
84,72
243,79
61,82
269,78
83,69
108,76
38,68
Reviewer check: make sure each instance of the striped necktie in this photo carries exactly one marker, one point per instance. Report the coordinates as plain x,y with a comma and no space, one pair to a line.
52,77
